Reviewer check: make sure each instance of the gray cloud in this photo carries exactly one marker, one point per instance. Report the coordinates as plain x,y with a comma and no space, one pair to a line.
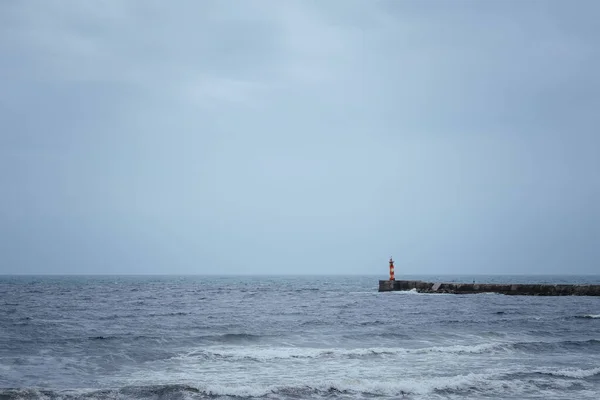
299,137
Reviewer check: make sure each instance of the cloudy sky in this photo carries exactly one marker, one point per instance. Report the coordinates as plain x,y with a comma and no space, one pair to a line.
299,136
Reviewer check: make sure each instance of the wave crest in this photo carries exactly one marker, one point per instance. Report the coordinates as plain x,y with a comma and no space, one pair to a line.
233,352
575,373
498,383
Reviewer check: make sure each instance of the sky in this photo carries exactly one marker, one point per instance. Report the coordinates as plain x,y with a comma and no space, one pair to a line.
299,137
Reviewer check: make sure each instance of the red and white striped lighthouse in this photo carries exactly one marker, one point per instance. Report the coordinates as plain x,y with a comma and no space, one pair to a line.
392,278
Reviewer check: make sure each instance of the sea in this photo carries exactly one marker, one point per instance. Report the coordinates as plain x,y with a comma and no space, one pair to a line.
292,337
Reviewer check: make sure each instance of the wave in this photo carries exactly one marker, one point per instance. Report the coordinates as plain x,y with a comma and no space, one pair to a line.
135,316
234,338
415,292
588,316
410,292
482,385
115,316
264,354
192,392
324,389
258,353
583,345
316,322
228,338
373,323
102,337
388,335
568,374
576,373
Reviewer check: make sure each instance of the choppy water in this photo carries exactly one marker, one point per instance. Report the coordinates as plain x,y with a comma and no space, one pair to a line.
291,338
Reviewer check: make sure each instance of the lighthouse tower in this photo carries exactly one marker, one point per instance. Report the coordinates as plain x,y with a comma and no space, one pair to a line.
392,277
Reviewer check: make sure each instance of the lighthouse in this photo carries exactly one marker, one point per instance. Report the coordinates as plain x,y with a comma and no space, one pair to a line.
392,278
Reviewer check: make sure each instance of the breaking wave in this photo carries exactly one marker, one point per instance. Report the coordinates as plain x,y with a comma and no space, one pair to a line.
588,316
470,384
268,353
263,354
575,373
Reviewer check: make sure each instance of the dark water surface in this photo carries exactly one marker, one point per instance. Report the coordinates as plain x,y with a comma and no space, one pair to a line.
170,337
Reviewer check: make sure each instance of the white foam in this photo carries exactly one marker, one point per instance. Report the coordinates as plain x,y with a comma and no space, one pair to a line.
487,383
413,292
456,349
237,391
575,373
406,292
417,386
268,353
276,353
306,380
30,393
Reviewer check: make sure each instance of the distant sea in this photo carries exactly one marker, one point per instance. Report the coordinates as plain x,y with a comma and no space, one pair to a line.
324,337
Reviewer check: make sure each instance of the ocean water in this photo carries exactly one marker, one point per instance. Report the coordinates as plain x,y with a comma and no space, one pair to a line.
193,337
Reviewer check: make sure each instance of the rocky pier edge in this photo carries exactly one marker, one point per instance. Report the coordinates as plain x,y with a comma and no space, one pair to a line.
474,288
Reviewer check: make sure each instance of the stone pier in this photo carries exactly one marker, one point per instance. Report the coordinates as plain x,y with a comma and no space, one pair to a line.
509,289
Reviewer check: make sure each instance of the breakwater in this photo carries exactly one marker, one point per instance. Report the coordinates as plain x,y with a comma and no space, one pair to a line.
509,289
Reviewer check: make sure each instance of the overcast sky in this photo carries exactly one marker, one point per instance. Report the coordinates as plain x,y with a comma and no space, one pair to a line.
299,136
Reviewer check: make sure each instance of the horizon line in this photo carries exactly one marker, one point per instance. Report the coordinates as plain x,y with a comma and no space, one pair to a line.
280,274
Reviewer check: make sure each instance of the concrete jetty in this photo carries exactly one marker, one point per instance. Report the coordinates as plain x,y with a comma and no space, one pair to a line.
509,289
